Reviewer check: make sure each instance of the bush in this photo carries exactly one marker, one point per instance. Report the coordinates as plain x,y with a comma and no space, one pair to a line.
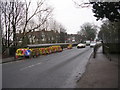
113,47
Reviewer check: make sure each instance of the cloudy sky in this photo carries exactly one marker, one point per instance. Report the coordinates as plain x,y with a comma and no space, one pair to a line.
71,17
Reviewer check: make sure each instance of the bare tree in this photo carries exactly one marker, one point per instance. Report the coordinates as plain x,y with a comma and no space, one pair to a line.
40,11
16,17
13,13
82,3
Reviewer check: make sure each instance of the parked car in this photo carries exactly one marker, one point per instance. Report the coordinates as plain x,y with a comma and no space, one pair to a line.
92,44
81,45
98,42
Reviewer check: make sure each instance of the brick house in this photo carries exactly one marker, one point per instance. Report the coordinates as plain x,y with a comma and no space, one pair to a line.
40,37
73,38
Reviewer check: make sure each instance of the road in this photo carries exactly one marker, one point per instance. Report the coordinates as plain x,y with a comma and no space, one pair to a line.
57,70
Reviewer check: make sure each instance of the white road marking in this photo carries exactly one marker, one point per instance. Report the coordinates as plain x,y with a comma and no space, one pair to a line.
29,66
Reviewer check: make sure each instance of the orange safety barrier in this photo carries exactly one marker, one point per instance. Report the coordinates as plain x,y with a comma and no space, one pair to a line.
42,51
59,49
46,50
35,52
52,49
23,52
49,50
69,46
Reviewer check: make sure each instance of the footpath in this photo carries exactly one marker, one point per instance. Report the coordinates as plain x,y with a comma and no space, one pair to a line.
100,72
10,59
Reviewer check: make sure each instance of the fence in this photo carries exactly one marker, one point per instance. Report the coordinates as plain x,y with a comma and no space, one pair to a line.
63,45
107,51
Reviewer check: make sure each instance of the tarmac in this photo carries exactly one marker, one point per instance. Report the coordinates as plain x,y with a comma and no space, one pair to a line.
100,72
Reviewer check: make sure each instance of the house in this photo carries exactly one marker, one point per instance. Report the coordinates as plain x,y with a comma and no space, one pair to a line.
73,38
39,37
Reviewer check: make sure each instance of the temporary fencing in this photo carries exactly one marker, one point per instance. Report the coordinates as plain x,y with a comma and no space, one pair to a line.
36,51
69,46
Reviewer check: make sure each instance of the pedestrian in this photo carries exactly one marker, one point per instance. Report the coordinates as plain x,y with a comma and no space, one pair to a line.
94,51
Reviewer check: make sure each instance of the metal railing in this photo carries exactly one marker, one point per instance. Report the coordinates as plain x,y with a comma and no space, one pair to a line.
52,44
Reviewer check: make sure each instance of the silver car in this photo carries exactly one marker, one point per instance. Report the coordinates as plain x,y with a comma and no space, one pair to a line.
81,45
92,44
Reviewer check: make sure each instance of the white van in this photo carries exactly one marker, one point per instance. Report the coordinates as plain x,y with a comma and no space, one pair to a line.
88,42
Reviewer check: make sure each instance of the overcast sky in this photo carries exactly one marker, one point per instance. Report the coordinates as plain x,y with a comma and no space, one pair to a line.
71,17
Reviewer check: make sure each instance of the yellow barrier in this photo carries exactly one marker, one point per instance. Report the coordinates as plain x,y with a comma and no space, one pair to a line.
48,50
52,48
42,51
69,46
59,48
34,52
23,52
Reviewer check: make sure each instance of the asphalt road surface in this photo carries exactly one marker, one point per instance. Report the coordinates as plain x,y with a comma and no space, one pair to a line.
57,70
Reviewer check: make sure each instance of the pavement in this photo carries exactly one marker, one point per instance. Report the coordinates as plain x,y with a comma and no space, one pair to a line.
100,72
9,59
0,77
